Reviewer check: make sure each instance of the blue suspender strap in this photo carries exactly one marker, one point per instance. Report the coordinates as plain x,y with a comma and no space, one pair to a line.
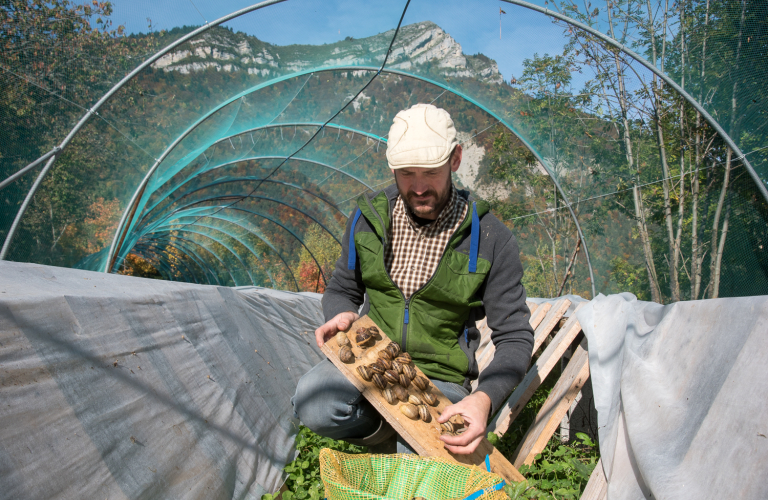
474,239
352,250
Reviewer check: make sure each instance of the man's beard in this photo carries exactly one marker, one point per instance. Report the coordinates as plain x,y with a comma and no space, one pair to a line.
429,208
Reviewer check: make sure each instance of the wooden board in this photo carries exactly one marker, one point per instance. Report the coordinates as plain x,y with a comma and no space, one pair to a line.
597,487
485,356
536,375
554,408
550,322
422,436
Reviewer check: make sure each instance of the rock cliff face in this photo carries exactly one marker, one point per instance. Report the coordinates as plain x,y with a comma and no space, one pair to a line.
416,45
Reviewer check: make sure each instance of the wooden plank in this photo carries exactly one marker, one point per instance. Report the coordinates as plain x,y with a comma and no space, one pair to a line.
485,356
532,306
554,409
550,322
597,486
536,375
422,436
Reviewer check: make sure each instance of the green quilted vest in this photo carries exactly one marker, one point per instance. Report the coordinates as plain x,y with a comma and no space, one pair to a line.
430,325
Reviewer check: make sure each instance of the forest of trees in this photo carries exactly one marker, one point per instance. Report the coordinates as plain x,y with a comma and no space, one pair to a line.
669,213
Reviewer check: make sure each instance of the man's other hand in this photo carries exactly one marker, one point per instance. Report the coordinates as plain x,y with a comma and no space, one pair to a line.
474,409
341,321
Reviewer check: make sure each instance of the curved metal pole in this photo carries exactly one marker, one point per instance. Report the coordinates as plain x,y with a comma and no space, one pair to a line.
105,97
304,124
296,284
250,158
191,255
29,167
227,248
288,184
669,81
197,243
212,198
287,230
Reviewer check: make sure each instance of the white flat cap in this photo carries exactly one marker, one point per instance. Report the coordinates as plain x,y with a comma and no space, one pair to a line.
421,136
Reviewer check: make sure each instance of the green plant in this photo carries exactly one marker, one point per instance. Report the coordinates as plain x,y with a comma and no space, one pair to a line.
559,472
304,472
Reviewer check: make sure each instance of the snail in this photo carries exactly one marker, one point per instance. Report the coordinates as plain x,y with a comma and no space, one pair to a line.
389,395
379,380
429,398
414,400
346,354
341,339
410,411
373,331
410,370
364,372
404,358
387,364
392,377
397,366
363,337
447,427
401,393
404,380
393,349
424,413
421,383
376,368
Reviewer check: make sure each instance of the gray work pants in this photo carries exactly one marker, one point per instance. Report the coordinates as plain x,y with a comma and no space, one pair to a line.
328,403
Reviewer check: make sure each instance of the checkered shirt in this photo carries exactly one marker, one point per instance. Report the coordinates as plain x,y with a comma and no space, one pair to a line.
414,250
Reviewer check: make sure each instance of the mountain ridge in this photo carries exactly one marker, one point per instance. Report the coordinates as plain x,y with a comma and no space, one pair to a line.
417,44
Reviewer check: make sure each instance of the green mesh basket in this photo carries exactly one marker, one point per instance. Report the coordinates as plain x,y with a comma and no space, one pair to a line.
403,477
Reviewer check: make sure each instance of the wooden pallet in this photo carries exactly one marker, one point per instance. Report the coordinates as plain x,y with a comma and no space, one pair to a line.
422,436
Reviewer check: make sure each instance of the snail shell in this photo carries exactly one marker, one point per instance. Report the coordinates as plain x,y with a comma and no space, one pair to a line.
373,331
342,339
376,368
414,400
460,431
379,380
447,427
363,337
392,377
410,411
404,380
410,370
401,393
424,413
387,364
364,372
384,354
393,348
429,398
389,395
421,383
346,355
404,358
397,366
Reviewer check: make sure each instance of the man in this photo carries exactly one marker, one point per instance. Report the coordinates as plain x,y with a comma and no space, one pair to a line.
431,261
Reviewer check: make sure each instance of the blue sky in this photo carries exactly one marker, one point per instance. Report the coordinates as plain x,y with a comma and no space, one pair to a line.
474,24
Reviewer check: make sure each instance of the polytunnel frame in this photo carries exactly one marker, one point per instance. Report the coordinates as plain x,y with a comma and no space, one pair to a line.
133,204
54,153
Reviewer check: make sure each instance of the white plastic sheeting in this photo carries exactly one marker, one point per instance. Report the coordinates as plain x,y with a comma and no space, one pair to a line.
682,396
118,387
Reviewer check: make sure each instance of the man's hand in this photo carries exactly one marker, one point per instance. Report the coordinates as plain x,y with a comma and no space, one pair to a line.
341,321
475,410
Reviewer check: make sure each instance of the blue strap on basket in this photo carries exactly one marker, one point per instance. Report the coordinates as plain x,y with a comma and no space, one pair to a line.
480,493
352,250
